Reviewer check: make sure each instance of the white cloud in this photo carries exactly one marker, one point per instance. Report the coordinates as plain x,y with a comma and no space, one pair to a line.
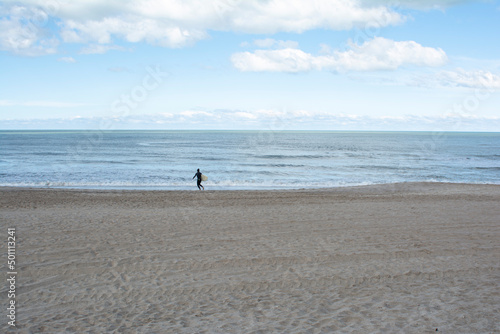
469,79
274,120
166,114
245,115
418,4
100,49
376,54
22,32
67,60
132,28
299,16
270,113
458,78
175,23
195,113
284,60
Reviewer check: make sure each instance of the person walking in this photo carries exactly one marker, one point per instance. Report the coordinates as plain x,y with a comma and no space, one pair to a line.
198,175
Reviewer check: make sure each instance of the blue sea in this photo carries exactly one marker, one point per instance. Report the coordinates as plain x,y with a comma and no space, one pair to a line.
244,159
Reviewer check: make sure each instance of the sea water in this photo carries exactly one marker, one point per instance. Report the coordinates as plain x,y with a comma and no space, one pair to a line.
244,159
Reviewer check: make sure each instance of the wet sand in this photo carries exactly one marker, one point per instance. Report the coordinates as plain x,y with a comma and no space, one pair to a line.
405,258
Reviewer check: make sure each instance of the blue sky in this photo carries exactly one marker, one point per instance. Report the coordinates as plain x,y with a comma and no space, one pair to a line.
263,64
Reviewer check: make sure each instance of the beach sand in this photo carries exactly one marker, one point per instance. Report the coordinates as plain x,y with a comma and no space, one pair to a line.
403,258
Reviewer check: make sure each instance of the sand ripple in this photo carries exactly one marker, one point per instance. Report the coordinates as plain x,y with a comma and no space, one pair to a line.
402,258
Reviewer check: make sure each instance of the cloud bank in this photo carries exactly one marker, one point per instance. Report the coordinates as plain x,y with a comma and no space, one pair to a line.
267,120
36,27
375,54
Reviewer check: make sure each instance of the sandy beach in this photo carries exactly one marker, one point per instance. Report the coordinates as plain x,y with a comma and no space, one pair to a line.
402,258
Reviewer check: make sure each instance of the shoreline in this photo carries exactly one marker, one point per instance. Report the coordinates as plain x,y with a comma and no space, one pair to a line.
408,257
264,189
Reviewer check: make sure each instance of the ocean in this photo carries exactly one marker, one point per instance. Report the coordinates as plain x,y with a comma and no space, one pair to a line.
168,160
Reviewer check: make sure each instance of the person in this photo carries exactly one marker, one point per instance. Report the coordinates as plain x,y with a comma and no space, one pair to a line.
198,175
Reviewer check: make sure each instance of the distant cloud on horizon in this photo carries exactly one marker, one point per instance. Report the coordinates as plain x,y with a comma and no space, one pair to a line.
272,120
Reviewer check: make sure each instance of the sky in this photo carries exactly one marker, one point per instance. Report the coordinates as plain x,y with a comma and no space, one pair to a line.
250,64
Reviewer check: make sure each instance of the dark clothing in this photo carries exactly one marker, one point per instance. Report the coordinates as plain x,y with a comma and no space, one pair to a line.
198,183
198,175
